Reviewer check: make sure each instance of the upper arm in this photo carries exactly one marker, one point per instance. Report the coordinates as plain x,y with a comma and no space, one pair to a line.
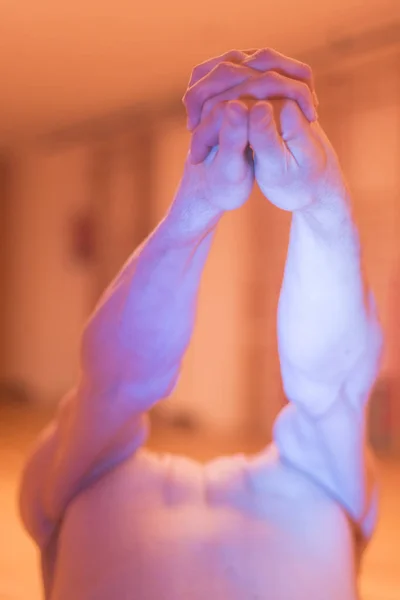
322,433
333,452
79,446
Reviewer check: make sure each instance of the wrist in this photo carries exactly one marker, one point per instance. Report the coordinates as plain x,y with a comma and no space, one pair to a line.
328,212
192,213
191,216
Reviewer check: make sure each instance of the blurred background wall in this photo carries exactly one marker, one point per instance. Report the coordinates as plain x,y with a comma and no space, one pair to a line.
94,139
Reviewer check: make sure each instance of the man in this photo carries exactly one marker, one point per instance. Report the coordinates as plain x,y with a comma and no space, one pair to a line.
115,522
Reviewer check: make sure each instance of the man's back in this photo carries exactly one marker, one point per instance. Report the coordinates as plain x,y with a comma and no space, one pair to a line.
235,529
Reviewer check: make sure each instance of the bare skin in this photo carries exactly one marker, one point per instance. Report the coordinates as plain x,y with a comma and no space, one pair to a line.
113,521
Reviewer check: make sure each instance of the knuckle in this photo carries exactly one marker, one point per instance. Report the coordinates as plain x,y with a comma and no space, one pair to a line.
234,56
266,53
225,68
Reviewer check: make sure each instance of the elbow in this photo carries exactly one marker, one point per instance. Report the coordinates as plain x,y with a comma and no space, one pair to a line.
31,503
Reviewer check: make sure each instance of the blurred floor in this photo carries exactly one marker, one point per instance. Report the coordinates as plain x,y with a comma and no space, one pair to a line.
19,574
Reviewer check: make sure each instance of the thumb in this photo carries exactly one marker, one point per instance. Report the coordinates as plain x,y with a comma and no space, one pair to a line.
264,137
297,133
231,158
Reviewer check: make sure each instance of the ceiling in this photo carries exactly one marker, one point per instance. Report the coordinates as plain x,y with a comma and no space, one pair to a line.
64,62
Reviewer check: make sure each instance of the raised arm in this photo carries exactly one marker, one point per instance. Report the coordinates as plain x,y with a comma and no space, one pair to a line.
329,344
329,335
133,345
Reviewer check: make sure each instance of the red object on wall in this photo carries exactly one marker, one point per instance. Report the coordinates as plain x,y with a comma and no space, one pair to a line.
83,238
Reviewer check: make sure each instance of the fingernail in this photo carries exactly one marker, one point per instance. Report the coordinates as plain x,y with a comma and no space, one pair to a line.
316,101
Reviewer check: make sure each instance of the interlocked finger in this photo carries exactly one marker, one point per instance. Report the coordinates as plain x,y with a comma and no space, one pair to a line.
266,86
233,56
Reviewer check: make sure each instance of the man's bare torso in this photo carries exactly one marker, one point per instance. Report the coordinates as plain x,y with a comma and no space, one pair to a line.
234,529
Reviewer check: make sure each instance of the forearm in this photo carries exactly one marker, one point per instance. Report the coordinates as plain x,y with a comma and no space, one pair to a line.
325,320
143,324
132,349
329,344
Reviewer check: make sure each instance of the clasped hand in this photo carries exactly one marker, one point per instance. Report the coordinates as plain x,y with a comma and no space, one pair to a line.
253,115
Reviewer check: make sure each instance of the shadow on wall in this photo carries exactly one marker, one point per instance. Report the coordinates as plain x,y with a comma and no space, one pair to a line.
13,393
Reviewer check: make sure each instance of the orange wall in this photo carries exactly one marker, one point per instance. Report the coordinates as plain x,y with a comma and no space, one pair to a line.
47,294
